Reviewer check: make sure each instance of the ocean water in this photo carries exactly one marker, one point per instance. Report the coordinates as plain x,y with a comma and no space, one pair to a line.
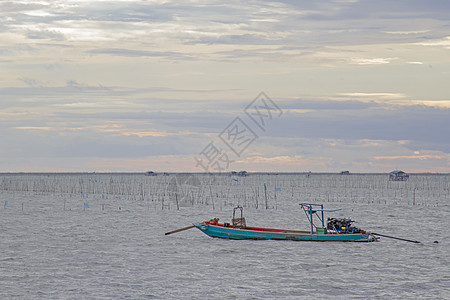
54,247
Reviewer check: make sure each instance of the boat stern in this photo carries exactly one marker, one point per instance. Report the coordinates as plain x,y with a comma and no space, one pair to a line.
371,237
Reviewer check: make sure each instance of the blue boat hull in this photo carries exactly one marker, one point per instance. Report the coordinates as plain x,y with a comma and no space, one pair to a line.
277,234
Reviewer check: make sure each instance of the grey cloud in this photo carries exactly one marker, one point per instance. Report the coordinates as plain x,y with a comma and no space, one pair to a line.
420,145
195,121
419,124
39,91
28,81
242,39
327,104
45,34
140,53
5,51
74,91
10,51
93,144
328,22
331,10
19,6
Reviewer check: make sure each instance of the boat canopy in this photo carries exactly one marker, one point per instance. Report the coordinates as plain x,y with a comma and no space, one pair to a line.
318,207
311,209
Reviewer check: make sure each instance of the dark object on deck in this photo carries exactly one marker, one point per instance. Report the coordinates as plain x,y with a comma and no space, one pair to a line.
342,225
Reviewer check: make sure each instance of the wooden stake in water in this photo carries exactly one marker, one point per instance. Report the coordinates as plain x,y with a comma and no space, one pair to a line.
265,195
210,192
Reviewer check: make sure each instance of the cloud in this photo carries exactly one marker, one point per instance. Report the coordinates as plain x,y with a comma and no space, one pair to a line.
329,105
140,53
31,128
374,96
444,42
408,32
372,61
45,35
415,157
445,104
239,39
418,123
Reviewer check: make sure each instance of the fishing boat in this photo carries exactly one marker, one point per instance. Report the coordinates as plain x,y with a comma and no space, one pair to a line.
335,229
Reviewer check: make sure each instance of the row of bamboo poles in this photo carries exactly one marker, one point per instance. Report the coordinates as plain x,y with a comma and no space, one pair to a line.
259,191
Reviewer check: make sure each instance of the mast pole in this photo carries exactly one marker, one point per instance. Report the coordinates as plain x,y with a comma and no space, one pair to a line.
323,225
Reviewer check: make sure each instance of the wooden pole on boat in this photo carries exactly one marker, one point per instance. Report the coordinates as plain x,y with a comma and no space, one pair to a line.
396,238
178,230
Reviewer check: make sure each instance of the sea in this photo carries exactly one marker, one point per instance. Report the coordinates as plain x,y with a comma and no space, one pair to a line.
102,236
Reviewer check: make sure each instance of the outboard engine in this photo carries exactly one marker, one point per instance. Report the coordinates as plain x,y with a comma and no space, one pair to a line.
342,225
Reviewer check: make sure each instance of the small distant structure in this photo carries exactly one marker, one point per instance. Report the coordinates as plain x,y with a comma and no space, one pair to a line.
150,173
242,173
345,173
398,176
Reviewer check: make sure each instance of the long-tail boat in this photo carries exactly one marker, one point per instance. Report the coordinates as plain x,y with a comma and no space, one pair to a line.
336,229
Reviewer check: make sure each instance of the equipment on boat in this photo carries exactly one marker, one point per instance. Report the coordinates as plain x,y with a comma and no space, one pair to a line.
239,222
342,225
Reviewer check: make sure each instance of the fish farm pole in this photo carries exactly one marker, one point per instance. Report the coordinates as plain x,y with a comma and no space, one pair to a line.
265,194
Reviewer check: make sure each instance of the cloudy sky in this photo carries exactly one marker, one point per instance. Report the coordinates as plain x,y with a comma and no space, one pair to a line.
135,85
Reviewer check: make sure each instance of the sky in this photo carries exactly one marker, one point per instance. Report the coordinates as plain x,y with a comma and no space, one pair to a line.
219,86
